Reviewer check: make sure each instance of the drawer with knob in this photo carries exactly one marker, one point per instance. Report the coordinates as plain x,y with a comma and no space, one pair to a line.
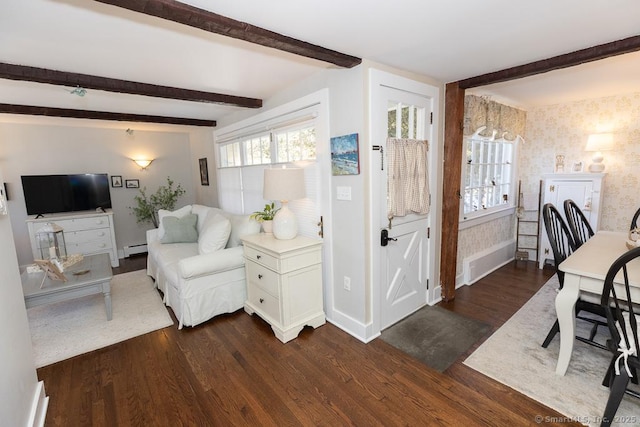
262,277
264,302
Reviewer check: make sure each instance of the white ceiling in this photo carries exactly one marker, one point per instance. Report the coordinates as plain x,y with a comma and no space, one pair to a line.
446,40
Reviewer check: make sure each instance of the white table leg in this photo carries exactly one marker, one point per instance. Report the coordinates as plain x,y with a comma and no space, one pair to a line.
106,291
565,309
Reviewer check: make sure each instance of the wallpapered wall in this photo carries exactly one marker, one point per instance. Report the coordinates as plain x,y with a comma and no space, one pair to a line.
564,128
480,111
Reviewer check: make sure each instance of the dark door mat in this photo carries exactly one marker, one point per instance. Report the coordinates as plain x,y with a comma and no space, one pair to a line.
435,336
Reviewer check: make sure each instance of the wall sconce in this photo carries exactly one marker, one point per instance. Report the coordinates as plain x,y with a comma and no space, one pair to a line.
143,163
599,142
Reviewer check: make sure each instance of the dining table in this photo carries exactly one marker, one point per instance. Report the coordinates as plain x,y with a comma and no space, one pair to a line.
584,274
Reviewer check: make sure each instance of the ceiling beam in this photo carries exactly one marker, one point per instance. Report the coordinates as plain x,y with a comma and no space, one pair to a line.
618,47
101,115
85,81
212,22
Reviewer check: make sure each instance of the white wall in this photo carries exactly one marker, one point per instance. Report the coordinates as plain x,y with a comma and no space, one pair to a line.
59,146
348,103
18,387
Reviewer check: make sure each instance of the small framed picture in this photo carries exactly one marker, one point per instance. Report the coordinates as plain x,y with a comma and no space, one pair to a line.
116,181
204,171
577,167
132,183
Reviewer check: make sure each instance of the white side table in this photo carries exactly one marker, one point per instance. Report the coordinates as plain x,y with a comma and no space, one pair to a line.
284,282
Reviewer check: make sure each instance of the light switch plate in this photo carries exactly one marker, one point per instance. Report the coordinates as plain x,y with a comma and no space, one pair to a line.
343,193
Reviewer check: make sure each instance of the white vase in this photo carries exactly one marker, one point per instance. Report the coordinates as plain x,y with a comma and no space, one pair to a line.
267,226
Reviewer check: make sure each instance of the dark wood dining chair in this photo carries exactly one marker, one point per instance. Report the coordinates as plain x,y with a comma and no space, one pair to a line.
634,221
562,245
578,223
623,324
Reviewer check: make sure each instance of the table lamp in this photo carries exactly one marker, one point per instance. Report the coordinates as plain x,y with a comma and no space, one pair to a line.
284,184
598,142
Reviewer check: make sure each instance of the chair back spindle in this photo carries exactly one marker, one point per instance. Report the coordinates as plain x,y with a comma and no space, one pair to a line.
559,235
623,325
579,226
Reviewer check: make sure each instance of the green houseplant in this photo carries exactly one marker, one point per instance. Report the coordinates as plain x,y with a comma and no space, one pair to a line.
265,216
147,206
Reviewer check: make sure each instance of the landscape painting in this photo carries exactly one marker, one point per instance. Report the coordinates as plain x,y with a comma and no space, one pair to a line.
345,159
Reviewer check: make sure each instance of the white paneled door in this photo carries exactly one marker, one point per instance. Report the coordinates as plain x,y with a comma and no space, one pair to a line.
404,259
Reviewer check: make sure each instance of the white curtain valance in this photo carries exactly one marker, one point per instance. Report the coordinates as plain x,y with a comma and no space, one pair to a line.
407,177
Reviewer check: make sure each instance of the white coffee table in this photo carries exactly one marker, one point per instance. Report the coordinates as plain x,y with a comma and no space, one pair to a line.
96,280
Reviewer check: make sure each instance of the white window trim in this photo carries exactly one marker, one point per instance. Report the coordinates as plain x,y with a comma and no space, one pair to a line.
472,219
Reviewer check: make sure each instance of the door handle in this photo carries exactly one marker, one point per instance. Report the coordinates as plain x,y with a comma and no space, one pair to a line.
384,237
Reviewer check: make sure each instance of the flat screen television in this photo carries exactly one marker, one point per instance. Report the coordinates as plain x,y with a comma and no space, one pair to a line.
45,194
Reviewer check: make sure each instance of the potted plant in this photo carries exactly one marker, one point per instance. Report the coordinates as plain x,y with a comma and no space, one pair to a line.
164,198
265,216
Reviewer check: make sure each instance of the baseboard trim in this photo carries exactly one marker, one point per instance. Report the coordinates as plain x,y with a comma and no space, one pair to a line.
353,327
39,406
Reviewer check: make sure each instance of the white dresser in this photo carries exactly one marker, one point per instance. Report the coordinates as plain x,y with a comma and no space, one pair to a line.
284,282
586,189
84,233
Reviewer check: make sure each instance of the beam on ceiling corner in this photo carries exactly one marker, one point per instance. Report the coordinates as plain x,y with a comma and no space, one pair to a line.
594,53
212,22
86,81
101,115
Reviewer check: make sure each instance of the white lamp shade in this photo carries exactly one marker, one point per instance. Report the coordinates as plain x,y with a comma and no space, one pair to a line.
283,184
600,142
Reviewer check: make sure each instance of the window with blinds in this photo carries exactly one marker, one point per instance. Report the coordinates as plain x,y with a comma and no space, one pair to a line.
243,160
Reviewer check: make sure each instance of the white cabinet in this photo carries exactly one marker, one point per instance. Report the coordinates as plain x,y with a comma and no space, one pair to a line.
586,189
284,282
85,233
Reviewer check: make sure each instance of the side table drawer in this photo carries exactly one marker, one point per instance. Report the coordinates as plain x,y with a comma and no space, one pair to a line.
262,277
261,258
264,302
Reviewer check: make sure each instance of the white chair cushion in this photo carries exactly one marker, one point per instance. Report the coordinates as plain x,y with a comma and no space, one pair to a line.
215,233
179,213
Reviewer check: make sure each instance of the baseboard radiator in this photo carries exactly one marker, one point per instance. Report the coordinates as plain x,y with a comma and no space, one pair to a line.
134,249
482,263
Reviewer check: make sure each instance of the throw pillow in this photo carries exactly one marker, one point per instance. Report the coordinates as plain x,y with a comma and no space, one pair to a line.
180,230
215,233
203,212
179,213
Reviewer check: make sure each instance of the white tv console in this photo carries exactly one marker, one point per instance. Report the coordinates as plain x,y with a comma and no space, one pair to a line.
85,233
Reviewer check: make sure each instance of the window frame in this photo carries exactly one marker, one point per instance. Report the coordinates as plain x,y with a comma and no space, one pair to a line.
480,216
242,145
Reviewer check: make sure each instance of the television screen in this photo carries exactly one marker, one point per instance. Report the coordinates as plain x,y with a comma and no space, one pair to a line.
65,193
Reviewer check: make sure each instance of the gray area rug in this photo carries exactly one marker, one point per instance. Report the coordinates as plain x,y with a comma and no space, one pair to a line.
435,336
69,328
514,357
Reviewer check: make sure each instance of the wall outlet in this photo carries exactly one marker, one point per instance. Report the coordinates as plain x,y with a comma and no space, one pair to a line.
347,283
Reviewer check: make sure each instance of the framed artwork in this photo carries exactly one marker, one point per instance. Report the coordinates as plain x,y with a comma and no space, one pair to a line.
204,171
345,157
132,183
116,181
577,167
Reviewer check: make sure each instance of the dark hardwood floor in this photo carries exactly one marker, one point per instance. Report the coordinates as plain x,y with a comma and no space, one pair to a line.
233,371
